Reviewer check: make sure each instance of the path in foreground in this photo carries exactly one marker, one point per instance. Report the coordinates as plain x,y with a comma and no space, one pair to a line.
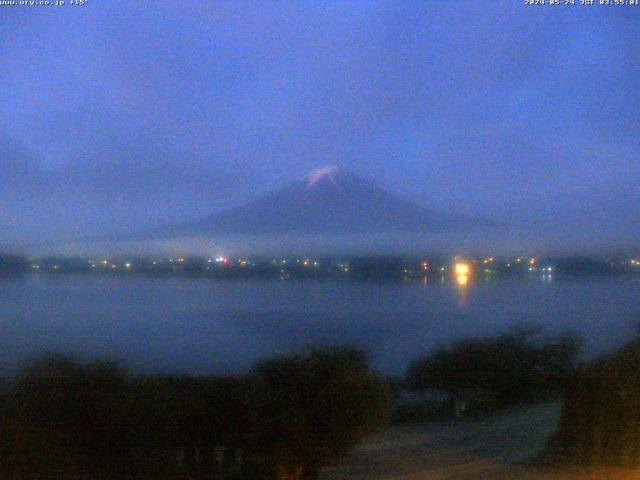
492,448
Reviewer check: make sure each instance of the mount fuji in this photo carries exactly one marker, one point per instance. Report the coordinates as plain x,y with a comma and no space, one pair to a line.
330,201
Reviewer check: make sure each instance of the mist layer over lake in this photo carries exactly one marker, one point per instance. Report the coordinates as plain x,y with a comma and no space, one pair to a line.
177,324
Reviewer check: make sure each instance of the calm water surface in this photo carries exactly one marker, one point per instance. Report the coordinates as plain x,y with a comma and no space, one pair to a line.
200,325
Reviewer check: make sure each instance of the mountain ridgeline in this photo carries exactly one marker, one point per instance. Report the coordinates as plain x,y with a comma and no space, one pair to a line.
328,201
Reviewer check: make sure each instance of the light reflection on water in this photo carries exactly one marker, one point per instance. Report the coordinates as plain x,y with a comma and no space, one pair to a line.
198,325
463,282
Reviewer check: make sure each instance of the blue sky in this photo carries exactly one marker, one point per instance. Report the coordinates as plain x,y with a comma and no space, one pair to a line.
119,114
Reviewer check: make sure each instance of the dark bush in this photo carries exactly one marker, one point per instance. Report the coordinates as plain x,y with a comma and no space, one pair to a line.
601,417
65,419
516,367
309,410
69,417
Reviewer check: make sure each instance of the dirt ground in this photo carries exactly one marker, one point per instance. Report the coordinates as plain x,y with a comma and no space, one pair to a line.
495,448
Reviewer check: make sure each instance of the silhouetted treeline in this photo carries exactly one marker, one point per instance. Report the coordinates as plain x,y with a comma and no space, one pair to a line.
377,268
601,417
12,264
286,419
590,266
516,367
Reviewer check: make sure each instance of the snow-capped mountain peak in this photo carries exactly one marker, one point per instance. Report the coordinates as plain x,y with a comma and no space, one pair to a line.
320,173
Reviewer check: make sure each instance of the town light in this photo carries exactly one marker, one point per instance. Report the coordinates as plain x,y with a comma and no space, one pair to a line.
462,269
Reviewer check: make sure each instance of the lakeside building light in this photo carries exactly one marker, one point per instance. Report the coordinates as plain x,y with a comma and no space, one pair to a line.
462,269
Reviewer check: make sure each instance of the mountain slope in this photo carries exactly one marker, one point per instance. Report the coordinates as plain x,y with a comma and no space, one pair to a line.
328,201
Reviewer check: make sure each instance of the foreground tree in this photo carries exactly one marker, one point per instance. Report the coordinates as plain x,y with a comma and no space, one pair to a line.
292,415
308,410
601,417
68,418
516,367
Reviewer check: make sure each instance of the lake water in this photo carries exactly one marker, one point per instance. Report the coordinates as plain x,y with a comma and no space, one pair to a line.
198,325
